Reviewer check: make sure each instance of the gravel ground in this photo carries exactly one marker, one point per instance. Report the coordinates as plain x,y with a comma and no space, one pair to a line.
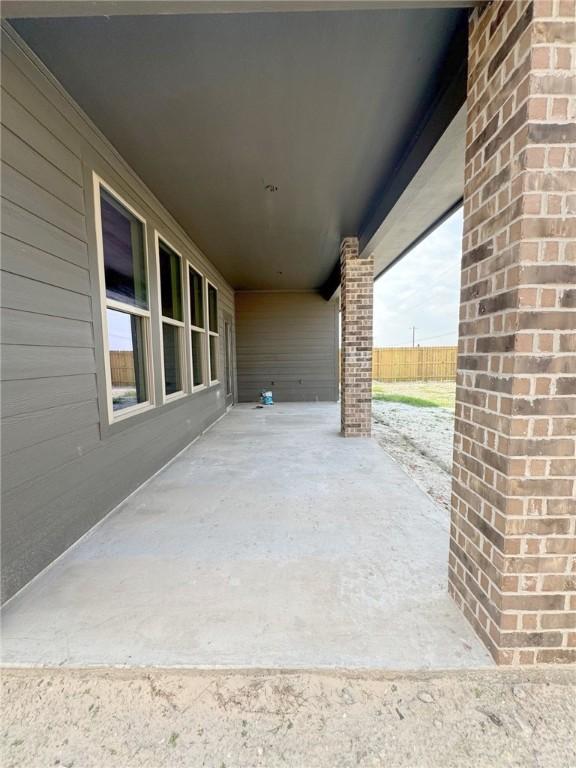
184,718
421,440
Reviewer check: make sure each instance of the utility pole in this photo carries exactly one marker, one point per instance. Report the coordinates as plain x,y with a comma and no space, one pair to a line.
413,336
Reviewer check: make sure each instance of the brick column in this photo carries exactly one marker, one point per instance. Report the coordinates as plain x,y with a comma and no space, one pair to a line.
356,299
513,542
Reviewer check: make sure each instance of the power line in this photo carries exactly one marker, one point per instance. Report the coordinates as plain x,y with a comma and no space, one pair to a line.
441,335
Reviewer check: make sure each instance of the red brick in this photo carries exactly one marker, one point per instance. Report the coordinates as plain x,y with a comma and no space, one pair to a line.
356,296
512,532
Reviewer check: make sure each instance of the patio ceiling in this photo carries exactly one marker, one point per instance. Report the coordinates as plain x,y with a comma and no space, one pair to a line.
269,136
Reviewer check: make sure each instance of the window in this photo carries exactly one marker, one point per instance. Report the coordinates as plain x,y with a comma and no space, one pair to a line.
126,340
197,326
212,332
126,314
172,318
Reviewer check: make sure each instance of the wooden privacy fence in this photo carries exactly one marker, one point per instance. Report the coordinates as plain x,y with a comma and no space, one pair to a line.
122,368
414,364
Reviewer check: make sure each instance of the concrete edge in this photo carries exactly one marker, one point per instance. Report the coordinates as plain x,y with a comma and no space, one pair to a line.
545,673
115,509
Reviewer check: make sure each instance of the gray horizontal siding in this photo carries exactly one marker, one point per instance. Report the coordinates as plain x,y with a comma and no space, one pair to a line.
286,342
32,296
22,225
33,198
32,328
37,394
33,428
17,154
62,471
35,362
23,123
25,260
33,91
39,459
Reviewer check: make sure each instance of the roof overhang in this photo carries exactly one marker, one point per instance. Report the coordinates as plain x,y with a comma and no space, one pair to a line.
432,193
417,212
30,9
356,116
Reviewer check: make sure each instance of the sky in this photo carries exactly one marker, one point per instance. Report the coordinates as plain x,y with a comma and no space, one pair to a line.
422,290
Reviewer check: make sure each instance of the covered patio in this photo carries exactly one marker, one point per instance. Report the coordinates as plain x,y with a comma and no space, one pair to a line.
193,193
269,542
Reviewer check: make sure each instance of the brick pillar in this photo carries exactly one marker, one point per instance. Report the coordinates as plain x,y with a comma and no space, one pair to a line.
357,292
513,542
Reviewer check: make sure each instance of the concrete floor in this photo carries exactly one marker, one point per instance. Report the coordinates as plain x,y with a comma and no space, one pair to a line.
270,542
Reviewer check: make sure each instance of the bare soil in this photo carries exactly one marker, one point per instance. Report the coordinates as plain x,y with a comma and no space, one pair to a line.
175,718
420,439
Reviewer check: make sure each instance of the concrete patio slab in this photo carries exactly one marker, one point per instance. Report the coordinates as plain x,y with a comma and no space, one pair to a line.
269,542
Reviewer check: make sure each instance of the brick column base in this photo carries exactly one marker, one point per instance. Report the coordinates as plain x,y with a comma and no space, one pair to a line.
513,532
357,291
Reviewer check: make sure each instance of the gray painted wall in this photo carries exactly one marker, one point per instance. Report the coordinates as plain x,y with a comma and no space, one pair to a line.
287,342
64,468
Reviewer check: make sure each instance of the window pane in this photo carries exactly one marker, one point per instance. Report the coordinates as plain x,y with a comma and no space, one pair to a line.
124,261
213,358
172,365
127,347
212,309
196,299
170,283
197,364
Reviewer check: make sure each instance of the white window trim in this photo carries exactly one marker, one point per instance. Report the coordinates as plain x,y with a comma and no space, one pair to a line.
106,303
191,328
212,333
181,324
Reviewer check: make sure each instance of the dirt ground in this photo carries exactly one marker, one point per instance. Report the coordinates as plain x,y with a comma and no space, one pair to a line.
174,718
420,439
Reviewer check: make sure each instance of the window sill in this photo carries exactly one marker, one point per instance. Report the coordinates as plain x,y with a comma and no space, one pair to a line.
175,396
135,410
140,416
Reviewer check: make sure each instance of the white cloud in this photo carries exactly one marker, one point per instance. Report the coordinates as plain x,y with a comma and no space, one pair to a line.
422,290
